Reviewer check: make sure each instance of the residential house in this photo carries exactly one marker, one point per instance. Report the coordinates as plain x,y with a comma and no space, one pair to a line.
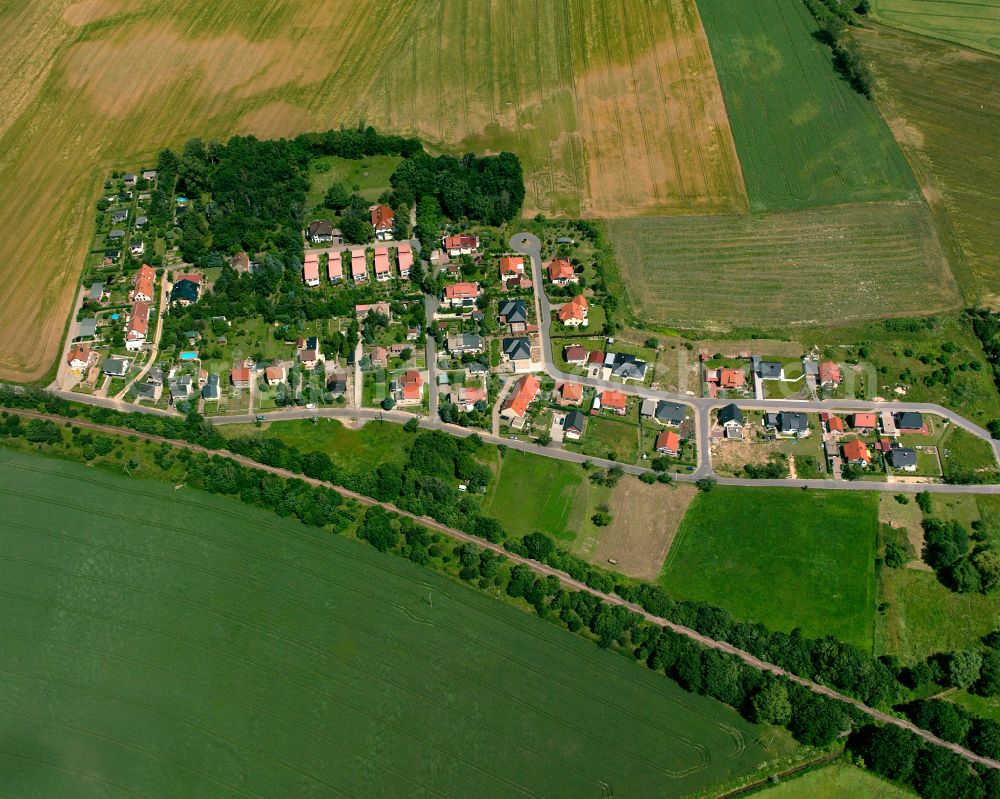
624,366
361,311
88,328
903,458
862,422
461,295
334,266
910,422
149,174
309,358
575,312
80,357
117,217
320,231
730,378
111,256
275,375
888,424
668,443
511,266
96,293
382,269
140,222
769,370
186,289
337,383
561,272
404,259
787,423
829,374
310,269
568,393
116,235
240,377
144,284
148,391
359,265
115,367
137,326
464,342
240,263
515,406
136,247
211,391
614,401
181,388
668,413
412,389
834,424
513,313
383,219
574,425
155,375
575,355
130,179
460,244
468,396
379,357
518,352
856,453
731,419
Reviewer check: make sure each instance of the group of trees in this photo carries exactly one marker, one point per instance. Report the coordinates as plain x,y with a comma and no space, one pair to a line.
947,550
833,17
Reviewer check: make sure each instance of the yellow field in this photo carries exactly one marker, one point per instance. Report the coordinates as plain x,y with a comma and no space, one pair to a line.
614,108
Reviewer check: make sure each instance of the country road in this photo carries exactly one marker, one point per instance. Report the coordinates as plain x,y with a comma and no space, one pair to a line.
544,570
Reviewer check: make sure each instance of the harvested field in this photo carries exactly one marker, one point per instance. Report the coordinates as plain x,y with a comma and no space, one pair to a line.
646,518
973,24
804,137
935,98
604,123
823,266
248,655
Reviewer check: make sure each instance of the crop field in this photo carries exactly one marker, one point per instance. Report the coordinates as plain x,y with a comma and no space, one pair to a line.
837,782
613,110
933,95
783,557
804,137
246,655
973,24
820,266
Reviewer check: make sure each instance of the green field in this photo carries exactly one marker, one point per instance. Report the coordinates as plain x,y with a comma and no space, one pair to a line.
821,266
974,24
836,782
161,642
783,557
368,177
932,93
804,137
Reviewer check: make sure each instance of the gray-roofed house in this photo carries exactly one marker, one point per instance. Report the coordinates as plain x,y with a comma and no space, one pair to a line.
573,425
181,387
148,391
96,292
337,384
210,391
140,221
149,174
464,342
155,375
116,367
114,235
770,370
184,292
787,423
88,328
909,421
120,215
731,417
513,312
670,413
624,366
648,407
517,350
904,458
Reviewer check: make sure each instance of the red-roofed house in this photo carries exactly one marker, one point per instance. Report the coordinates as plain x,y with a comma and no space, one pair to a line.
569,393
138,323
615,401
240,377
461,295
561,272
575,312
240,263
144,286
517,402
404,256
595,358
829,374
835,424
359,266
864,422
275,375
80,357
382,270
361,311
575,354
310,269
856,453
412,387
511,266
334,266
668,443
461,244
382,221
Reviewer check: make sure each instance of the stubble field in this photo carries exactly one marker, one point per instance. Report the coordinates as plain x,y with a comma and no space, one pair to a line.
204,648
824,267
605,123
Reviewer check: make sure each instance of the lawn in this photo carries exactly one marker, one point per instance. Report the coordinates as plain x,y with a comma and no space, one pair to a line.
784,557
368,177
932,95
973,24
838,781
823,267
962,451
604,437
245,654
804,137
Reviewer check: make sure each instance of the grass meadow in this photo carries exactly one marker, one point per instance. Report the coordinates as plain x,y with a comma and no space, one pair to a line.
784,557
932,93
815,267
838,781
172,642
613,109
804,137
972,24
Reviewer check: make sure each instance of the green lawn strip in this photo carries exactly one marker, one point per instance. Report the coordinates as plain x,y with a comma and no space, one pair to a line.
838,781
317,659
368,177
784,557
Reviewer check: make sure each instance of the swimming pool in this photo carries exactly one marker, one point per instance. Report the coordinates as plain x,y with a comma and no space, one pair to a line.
189,356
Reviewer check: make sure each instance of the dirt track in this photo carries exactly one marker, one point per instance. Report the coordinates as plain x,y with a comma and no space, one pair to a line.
543,569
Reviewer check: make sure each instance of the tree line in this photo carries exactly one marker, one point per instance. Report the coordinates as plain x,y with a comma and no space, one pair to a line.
833,18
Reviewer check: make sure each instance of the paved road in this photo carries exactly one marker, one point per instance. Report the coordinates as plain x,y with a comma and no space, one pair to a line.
430,308
563,578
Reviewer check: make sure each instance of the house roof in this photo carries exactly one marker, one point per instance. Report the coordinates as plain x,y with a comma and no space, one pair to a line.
668,440
81,352
211,389
856,450
574,421
525,391
829,372
513,311
310,269
576,308
731,378
517,349
461,291
184,290
240,374
596,356
96,291
789,422
626,366
138,319
361,311
382,217
560,269
670,412
274,373
334,266
900,457
88,327
461,241
731,413
614,399
511,265
464,341
320,227
574,352
115,365
835,424
863,420
572,392
472,394
412,385
909,420
769,369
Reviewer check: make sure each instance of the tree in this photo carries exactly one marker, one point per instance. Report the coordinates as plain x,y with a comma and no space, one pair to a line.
895,555
815,721
945,719
377,529
412,425
964,577
984,737
337,197
923,499
770,705
988,683
544,438
963,667
987,563
940,774
705,484
889,750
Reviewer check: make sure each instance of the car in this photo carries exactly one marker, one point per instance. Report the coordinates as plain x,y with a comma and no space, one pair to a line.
311,406
261,418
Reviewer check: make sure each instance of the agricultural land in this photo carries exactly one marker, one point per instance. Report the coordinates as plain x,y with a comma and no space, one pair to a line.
933,96
783,557
122,639
816,267
973,24
836,782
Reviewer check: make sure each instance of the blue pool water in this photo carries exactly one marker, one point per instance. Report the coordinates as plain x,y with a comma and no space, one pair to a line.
189,356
